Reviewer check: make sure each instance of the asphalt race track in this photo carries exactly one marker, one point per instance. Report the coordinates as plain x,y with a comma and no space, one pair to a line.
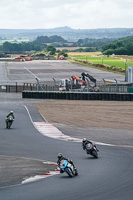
109,177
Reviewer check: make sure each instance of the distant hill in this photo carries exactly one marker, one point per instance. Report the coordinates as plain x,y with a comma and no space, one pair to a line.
67,33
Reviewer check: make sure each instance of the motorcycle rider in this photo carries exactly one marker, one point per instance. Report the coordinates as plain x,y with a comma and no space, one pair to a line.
85,142
9,114
60,158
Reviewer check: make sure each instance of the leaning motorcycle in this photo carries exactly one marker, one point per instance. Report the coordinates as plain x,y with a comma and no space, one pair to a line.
91,149
9,122
68,168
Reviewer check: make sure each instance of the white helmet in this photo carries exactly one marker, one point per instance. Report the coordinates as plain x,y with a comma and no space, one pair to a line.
84,140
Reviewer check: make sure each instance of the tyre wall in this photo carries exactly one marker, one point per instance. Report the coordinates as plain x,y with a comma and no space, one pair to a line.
78,95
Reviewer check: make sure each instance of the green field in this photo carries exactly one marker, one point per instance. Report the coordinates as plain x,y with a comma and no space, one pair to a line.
107,61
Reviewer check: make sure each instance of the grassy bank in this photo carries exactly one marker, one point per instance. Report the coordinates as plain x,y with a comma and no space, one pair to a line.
113,62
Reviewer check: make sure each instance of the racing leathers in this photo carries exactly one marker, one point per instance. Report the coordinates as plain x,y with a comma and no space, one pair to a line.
9,114
84,143
64,158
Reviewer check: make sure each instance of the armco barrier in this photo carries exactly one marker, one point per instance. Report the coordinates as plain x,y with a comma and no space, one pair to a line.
102,96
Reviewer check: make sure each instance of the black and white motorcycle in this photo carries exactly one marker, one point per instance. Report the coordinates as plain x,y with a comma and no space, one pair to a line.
92,150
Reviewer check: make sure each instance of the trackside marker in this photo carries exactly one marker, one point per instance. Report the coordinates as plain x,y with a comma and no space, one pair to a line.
44,175
51,131
39,177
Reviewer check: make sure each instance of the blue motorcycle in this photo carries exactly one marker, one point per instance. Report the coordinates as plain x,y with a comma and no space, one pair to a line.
68,168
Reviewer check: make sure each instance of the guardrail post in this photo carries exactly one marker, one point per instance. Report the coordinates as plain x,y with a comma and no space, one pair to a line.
104,84
9,88
116,85
16,88
88,88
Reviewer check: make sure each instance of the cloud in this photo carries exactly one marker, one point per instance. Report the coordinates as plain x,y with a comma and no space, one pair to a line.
73,13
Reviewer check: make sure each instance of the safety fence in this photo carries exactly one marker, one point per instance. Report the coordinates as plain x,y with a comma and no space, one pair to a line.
79,95
115,88
20,87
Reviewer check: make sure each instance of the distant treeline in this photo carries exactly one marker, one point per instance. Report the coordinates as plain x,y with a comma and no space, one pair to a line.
122,46
24,46
50,39
41,42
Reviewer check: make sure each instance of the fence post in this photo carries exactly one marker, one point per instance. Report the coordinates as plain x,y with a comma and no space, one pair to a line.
24,86
31,86
88,88
9,88
16,88
104,84
54,84
116,85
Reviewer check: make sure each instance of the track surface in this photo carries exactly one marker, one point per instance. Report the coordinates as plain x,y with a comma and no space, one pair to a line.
47,70
108,177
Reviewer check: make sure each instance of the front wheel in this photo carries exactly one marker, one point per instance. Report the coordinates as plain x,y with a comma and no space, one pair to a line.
95,154
69,172
9,125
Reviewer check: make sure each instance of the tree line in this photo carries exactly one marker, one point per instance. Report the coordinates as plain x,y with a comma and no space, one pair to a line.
122,46
41,42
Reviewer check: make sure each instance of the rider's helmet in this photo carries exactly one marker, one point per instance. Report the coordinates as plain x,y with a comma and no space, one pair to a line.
11,112
84,140
60,155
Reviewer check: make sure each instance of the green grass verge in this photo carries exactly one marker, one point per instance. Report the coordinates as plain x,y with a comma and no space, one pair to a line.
103,69
107,61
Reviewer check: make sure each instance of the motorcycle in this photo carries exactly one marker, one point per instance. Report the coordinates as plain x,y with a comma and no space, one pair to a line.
9,122
68,168
91,149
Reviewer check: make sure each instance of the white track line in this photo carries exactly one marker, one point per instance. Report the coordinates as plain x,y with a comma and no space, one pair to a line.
44,175
39,177
51,131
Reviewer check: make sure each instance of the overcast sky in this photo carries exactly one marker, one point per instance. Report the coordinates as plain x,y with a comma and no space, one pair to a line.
83,14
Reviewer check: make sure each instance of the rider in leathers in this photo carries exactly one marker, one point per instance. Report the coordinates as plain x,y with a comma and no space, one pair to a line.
9,114
61,157
85,142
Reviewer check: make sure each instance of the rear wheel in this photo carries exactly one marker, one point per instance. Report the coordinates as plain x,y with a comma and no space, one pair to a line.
9,125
